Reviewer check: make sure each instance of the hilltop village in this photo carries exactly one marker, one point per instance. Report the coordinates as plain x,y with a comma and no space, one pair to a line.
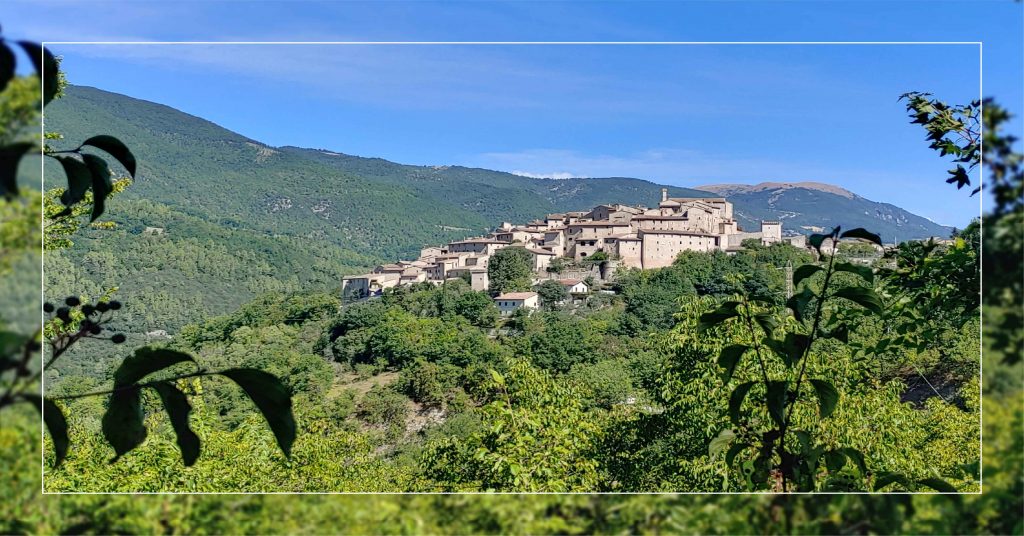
620,235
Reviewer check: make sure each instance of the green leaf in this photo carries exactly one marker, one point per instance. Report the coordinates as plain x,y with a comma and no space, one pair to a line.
719,443
178,408
840,333
884,479
146,361
101,184
724,312
828,397
834,460
7,65
273,400
122,423
791,349
798,303
775,399
862,296
864,272
863,234
815,240
10,156
767,322
497,377
938,484
115,148
56,424
734,450
730,358
805,271
45,65
857,458
79,180
736,401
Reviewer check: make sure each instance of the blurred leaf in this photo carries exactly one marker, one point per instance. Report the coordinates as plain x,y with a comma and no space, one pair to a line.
497,377
273,400
7,65
178,408
56,425
834,460
46,66
10,156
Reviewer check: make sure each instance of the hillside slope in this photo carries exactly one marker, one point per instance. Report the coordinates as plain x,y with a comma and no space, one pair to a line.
807,207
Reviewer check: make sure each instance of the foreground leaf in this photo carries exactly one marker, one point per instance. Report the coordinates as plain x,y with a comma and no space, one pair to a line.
775,398
146,361
724,312
122,423
115,148
828,397
56,425
46,67
805,271
273,400
862,296
730,358
736,401
863,234
178,408
101,183
718,444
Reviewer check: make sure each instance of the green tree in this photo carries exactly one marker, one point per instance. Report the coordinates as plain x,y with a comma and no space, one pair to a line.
551,294
510,270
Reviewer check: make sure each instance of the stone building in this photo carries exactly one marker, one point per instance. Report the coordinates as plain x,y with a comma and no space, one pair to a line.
630,236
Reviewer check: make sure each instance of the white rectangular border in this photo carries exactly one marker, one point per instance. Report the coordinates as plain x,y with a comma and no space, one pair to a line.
981,196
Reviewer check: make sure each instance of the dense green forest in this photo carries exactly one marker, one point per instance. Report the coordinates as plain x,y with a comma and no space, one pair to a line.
426,389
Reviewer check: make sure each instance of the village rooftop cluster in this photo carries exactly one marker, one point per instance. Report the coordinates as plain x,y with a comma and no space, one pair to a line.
626,236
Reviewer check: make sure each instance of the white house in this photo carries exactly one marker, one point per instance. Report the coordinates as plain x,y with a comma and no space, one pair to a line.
574,286
508,303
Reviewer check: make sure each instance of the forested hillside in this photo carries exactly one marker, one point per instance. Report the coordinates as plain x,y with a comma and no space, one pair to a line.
814,207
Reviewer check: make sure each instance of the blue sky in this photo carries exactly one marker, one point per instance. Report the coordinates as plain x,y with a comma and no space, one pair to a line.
686,115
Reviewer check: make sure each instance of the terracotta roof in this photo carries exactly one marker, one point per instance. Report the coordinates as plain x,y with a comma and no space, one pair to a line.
604,223
659,217
516,296
675,232
539,251
480,241
569,282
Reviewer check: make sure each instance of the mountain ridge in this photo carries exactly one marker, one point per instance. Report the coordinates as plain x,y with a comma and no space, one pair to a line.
381,208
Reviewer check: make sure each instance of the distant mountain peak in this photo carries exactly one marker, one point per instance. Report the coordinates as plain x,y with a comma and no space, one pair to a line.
729,189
